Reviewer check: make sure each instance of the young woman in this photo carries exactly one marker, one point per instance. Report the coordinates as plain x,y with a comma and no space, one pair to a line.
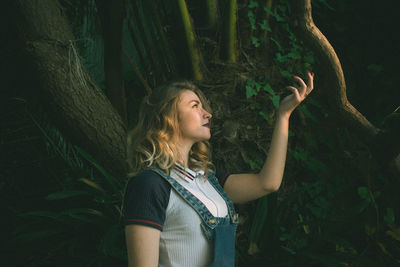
178,210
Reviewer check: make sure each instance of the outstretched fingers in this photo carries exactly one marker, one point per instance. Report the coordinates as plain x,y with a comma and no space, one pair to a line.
289,103
310,82
303,85
295,91
304,88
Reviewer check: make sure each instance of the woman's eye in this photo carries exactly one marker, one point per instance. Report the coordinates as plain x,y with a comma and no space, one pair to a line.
195,106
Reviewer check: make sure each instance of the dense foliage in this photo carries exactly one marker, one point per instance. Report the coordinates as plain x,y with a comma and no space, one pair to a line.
338,203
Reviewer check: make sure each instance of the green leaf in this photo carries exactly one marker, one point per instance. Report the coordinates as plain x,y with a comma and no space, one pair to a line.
279,18
389,217
363,193
275,100
394,232
255,41
264,115
65,194
255,164
267,88
264,26
294,54
269,11
286,74
252,20
250,91
280,58
282,8
253,4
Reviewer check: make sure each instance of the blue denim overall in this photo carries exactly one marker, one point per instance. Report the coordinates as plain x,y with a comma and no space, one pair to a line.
220,232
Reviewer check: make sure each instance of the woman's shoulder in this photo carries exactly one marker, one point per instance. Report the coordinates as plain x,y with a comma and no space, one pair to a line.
148,180
146,199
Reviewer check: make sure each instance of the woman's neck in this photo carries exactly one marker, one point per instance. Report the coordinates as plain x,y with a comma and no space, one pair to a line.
184,149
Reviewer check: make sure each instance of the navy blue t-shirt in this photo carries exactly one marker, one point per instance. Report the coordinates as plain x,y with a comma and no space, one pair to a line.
147,196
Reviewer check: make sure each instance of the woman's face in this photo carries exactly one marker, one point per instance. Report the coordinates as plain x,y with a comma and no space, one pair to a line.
194,121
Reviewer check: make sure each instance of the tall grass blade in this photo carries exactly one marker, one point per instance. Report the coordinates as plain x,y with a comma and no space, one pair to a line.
112,182
65,194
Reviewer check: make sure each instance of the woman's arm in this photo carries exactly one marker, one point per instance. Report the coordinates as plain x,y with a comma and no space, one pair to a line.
142,243
246,187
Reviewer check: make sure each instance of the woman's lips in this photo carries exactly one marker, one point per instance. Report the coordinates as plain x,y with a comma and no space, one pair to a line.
207,125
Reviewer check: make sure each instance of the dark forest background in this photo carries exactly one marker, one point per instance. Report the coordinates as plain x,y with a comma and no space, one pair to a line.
74,72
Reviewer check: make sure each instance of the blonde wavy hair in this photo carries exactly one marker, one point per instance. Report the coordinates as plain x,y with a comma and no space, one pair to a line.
151,142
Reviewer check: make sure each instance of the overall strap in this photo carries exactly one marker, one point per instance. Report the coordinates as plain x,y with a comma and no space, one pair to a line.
196,204
214,182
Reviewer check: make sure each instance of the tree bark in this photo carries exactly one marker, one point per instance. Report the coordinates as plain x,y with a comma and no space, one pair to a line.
77,105
330,72
229,43
211,13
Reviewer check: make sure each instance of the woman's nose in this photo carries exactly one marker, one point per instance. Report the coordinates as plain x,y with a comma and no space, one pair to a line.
207,114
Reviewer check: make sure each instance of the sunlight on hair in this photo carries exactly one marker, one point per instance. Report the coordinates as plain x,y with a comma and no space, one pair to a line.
152,142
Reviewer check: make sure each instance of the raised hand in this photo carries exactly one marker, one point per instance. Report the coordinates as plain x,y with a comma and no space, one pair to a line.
289,103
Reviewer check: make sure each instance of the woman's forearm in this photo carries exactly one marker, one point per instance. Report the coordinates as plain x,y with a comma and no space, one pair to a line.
271,173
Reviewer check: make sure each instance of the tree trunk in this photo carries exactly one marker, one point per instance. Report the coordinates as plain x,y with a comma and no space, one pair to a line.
331,76
77,105
229,43
211,13
194,54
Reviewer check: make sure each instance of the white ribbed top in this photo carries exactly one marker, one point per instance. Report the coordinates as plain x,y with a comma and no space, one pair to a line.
182,241
202,190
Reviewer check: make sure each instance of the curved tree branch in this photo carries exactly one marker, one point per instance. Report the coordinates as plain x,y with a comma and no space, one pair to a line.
331,73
